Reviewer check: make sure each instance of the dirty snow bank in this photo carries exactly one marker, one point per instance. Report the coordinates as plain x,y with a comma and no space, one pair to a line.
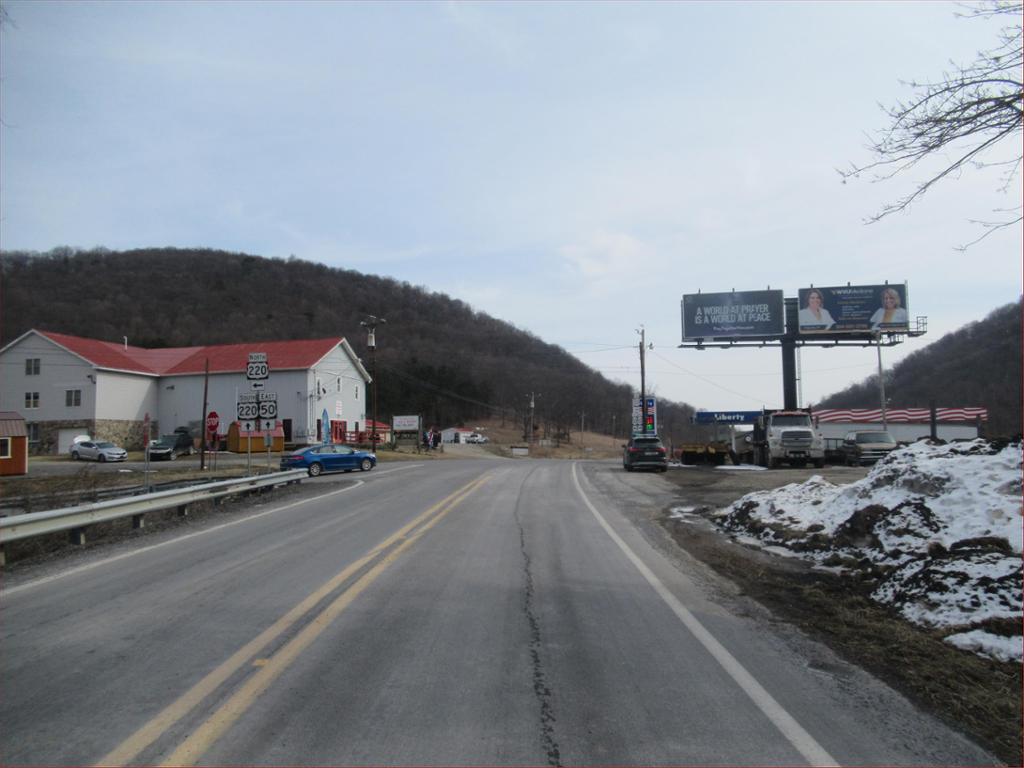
936,529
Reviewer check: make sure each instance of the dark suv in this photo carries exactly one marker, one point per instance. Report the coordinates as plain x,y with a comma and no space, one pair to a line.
644,453
170,447
867,447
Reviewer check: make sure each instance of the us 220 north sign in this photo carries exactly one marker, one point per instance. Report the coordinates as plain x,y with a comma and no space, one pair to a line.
257,367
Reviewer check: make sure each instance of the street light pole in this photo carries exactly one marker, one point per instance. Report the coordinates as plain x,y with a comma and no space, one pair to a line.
370,324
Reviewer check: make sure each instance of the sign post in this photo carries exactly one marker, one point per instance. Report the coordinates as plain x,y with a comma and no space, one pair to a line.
256,410
145,445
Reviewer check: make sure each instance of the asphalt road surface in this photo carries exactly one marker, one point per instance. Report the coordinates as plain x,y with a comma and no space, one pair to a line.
460,612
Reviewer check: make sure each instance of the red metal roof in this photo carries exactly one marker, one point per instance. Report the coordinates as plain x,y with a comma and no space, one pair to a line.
103,354
171,361
281,355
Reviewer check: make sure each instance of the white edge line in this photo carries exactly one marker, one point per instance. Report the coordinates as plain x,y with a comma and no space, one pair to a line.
169,542
801,740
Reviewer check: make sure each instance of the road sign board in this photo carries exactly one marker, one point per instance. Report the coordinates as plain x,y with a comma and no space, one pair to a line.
247,426
268,409
267,424
257,367
247,397
247,411
254,385
266,397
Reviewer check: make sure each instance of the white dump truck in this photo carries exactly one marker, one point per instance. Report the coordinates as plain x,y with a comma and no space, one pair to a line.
782,437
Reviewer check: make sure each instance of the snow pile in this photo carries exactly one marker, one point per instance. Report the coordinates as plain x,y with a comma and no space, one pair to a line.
936,529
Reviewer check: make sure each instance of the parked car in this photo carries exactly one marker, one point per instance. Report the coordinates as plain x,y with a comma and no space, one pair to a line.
867,447
97,451
332,457
477,438
170,447
644,453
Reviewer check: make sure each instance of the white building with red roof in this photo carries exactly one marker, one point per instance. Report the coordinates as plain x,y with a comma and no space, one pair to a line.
67,385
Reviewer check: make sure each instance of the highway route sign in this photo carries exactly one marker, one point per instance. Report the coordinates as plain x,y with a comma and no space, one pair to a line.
248,407
267,404
257,367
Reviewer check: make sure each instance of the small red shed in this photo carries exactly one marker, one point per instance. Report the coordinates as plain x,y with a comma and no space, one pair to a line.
13,444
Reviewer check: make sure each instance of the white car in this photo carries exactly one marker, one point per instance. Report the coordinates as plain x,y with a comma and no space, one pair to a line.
475,438
98,451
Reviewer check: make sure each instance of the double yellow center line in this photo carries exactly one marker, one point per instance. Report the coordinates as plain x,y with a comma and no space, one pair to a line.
268,670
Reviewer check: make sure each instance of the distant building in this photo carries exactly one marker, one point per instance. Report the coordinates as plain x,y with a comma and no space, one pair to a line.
67,386
905,424
455,434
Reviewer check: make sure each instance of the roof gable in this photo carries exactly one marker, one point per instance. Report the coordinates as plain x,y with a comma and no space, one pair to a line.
181,361
103,354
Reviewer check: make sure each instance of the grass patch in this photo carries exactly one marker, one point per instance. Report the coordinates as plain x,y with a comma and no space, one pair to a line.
977,696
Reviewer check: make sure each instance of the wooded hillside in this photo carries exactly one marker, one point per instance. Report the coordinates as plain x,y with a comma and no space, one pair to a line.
977,365
436,356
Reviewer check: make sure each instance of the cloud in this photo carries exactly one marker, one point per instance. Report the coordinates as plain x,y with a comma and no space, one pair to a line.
605,259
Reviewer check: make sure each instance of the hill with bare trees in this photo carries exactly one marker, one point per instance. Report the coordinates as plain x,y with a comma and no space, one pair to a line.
436,356
977,365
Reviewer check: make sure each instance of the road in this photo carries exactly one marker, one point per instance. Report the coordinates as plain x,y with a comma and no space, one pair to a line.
459,612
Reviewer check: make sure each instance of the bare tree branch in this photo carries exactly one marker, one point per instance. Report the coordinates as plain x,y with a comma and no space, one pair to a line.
965,115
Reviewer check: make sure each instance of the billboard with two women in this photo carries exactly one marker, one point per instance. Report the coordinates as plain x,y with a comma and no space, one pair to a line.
854,309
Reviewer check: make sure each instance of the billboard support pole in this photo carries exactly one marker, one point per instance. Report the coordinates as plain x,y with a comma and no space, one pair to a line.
881,378
789,398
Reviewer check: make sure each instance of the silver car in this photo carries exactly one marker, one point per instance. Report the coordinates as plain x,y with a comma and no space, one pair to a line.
98,451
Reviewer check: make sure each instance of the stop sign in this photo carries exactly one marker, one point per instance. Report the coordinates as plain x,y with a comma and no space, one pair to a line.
212,421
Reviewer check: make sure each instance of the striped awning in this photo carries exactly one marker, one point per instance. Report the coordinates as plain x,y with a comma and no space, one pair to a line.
899,415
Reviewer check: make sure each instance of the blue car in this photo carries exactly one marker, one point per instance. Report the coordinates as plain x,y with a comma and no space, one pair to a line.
332,457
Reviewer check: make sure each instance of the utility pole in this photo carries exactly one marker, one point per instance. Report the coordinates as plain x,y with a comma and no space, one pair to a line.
643,384
202,424
529,434
370,324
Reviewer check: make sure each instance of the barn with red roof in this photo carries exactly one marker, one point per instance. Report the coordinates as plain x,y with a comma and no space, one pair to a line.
68,385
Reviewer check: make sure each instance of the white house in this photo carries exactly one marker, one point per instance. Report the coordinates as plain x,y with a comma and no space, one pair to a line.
67,385
455,434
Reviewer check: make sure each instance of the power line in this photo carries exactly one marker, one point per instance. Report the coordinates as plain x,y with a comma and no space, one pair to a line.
709,381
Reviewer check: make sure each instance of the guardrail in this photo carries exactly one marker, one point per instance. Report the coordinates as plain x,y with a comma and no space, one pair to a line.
93,495
76,519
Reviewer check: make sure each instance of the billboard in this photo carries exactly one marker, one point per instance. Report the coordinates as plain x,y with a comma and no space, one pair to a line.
853,309
405,423
734,314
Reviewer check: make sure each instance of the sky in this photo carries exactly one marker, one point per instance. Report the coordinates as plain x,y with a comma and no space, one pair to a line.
573,168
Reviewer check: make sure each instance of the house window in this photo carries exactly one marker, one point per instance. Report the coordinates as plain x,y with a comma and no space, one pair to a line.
72,397
32,366
5,447
33,432
357,391
31,399
339,384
